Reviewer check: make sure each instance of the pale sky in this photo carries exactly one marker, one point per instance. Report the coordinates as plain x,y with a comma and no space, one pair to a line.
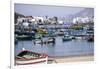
43,10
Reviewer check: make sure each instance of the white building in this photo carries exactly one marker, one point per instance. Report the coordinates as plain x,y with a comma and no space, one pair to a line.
83,19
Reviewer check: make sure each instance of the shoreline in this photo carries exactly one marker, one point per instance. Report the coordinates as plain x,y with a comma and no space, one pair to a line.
78,58
72,55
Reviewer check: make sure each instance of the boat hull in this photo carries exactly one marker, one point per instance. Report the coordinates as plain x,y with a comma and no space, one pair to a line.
49,40
25,38
35,61
90,40
27,57
66,39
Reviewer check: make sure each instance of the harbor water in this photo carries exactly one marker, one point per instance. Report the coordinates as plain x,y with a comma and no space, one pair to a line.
60,48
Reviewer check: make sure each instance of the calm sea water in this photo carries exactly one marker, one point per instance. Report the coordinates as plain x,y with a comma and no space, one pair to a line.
60,48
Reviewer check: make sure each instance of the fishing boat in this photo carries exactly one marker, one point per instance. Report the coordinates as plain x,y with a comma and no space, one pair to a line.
37,41
90,33
26,57
67,38
52,33
16,41
29,33
38,36
73,37
51,40
44,40
24,37
90,39
60,33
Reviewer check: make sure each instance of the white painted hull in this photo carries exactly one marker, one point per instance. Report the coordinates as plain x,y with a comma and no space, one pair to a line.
35,61
38,41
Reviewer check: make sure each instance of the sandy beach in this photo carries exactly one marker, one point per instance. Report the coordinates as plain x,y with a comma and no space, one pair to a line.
72,58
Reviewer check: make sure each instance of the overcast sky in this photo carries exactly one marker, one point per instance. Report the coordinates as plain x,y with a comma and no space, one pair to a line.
43,10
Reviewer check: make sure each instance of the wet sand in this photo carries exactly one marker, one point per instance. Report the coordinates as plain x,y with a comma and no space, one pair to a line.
64,59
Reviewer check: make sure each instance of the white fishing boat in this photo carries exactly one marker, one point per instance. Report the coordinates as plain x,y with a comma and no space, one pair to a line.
67,38
51,40
28,57
44,41
37,41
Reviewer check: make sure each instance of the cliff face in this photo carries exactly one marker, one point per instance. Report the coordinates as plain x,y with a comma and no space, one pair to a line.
86,12
16,15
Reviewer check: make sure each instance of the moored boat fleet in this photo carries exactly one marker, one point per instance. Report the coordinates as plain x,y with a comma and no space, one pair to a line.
49,36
